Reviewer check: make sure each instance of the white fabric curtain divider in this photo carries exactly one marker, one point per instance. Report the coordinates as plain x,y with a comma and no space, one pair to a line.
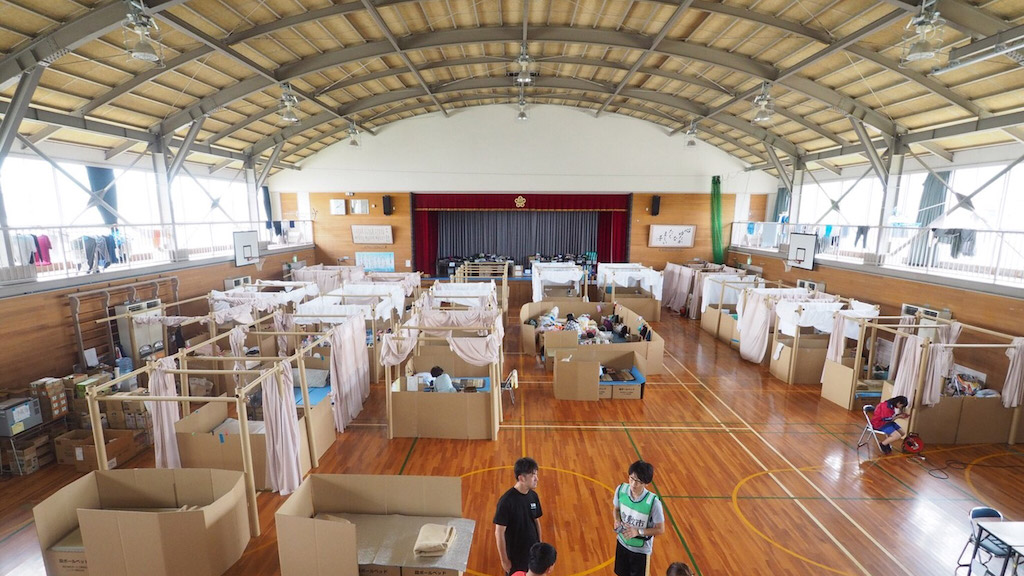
282,430
282,323
236,340
817,315
409,280
169,321
322,310
899,342
1013,387
554,274
347,272
165,414
696,299
476,294
241,314
476,351
460,318
845,325
391,298
940,362
909,368
261,301
325,280
753,326
396,347
715,292
350,370
672,286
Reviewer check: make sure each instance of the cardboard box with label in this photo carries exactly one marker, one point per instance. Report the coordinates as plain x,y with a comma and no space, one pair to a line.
578,374
53,401
77,448
367,525
146,522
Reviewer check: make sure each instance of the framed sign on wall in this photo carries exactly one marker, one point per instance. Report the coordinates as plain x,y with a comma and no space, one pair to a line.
372,235
671,236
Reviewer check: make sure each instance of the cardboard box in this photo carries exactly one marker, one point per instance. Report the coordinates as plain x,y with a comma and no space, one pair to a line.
810,358
627,392
121,539
578,375
311,547
77,448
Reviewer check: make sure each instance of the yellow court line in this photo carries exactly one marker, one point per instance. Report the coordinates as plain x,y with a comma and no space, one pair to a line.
631,427
849,555
967,472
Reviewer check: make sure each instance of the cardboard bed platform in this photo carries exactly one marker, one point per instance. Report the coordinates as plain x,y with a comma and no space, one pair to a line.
652,350
309,546
577,374
131,523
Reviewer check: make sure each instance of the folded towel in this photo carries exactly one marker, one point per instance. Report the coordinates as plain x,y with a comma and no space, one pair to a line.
434,540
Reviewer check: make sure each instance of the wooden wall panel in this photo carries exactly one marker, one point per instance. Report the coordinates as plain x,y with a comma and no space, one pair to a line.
333,234
38,334
692,209
289,205
998,313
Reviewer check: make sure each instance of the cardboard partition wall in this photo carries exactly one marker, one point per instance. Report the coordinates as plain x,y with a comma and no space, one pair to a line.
468,415
837,382
308,546
636,299
200,448
577,374
146,522
652,350
809,362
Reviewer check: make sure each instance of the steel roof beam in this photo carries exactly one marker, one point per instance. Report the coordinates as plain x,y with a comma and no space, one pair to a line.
876,161
379,21
48,48
236,126
787,182
15,112
270,164
665,29
183,150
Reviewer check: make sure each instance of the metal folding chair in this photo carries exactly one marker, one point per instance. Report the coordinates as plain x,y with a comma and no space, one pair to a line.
988,546
869,430
510,384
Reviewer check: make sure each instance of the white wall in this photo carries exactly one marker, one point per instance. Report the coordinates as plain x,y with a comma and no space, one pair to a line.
484,149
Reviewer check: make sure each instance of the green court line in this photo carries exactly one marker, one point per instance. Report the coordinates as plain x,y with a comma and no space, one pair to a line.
17,531
408,454
822,426
668,513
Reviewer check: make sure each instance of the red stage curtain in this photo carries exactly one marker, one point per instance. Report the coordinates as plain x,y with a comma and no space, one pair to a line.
613,219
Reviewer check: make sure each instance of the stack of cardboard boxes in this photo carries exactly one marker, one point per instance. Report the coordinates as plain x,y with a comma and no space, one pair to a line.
53,401
27,457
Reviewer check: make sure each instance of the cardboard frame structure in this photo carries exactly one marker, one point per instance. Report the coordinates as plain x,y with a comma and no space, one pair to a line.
483,271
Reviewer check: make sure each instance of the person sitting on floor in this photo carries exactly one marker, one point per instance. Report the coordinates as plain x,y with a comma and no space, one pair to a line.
884,418
442,381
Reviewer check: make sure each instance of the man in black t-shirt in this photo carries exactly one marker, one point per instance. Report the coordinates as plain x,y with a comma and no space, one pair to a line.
517,519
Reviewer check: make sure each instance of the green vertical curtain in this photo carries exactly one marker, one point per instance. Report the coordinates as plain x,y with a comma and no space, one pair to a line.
717,250
781,204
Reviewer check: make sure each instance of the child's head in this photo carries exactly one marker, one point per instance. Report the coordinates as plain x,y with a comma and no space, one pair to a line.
542,558
678,569
569,317
436,371
898,402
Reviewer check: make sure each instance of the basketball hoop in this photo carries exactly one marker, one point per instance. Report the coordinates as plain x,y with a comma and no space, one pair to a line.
788,264
259,262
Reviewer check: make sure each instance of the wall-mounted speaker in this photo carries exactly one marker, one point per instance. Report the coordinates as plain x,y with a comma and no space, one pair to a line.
389,208
655,205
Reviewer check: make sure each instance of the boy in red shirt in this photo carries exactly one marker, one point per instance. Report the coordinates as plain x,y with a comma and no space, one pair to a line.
884,418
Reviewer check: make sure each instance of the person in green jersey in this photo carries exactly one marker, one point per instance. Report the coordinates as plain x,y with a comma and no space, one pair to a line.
639,517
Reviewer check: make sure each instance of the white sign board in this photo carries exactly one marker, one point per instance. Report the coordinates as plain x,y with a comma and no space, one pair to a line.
671,236
376,261
247,247
372,235
337,206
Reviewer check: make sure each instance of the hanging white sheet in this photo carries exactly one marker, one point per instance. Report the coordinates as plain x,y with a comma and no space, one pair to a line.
631,275
476,294
817,315
325,311
236,340
282,323
693,303
461,318
715,292
326,280
350,370
477,351
165,414
409,280
909,368
1013,388
676,286
390,299
899,342
940,362
282,431
845,324
555,274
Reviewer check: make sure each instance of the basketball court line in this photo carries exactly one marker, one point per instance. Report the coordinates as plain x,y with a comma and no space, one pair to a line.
781,485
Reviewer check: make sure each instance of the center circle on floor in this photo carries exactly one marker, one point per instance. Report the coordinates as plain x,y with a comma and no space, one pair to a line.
543,470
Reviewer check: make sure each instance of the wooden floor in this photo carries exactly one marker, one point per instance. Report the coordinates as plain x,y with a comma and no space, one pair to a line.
757,477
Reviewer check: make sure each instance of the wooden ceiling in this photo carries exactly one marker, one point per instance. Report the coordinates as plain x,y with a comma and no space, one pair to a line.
830,64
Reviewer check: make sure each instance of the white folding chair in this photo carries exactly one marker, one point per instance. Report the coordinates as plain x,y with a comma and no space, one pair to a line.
510,384
869,430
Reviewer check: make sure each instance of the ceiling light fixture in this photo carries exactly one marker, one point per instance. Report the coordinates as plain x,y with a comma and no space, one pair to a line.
764,105
522,117
691,135
141,34
524,77
922,37
353,135
290,102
